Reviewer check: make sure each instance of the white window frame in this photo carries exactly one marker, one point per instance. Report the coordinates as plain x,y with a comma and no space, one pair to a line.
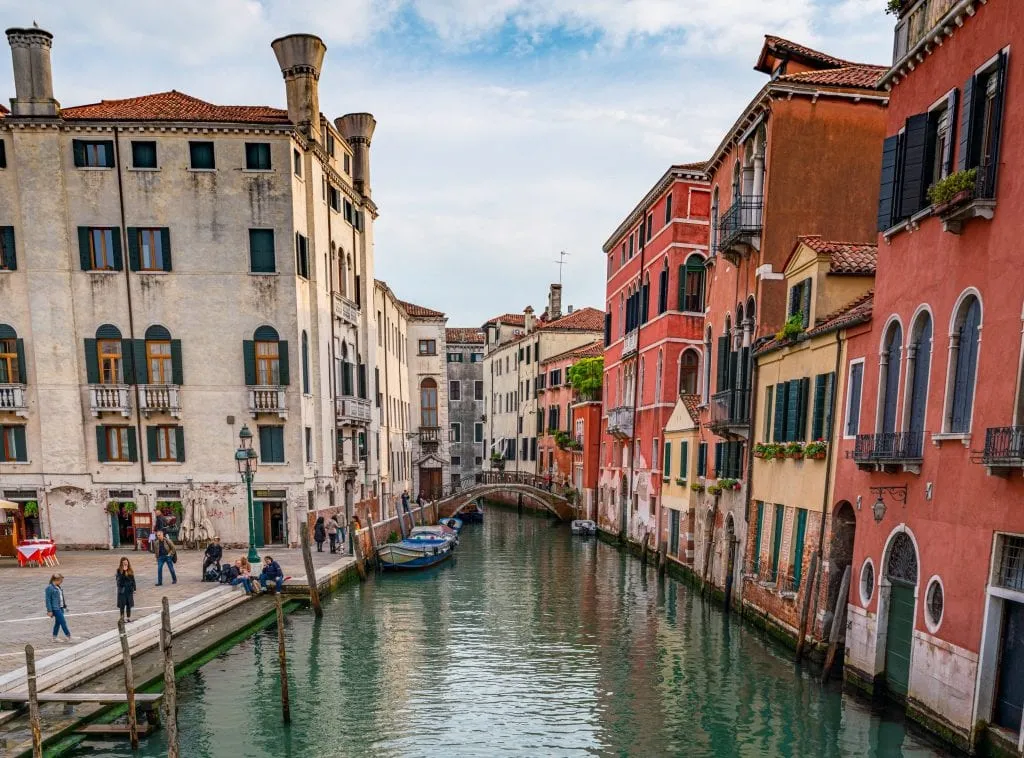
849,385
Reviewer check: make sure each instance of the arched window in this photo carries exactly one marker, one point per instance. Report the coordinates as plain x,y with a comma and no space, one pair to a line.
622,315
714,221
706,386
158,357
645,298
689,368
919,361
751,312
663,288
428,403
658,377
736,182
12,357
305,362
691,285
963,358
266,358
889,376
643,374
107,366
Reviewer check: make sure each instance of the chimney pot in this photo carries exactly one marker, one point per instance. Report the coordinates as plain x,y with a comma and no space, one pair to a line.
300,57
357,129
33,76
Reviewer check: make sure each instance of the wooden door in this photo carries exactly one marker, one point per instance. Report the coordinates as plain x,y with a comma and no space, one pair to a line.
430,483
899,637
1010,688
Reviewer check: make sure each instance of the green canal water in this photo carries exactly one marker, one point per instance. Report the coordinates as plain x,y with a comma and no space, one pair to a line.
528,643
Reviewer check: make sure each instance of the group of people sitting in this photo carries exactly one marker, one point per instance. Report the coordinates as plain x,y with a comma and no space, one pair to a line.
240,572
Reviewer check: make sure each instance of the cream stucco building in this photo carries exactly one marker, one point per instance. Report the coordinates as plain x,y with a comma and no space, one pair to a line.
393,396
431,448
173,270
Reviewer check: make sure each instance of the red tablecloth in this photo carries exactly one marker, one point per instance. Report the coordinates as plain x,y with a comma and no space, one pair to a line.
36,551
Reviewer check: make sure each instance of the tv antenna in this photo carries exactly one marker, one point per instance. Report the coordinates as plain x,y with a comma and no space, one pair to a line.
561,262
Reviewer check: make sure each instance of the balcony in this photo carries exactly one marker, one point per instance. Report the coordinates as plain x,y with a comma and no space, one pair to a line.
13,400
739,231
630,343
977,202
730,413
160,398
352,410
110,398
1004,450
268,400
430,437
890,451
346,310
620,421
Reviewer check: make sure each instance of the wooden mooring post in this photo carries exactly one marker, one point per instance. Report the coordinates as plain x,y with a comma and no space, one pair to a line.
357,551
33,702
838,619
129,686
662,559
170,685
373,541
806,604
307,558
286,709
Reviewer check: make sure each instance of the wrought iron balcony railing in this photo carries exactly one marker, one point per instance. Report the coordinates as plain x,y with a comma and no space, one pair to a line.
889,448
620,421
1004,446
741,221
730,409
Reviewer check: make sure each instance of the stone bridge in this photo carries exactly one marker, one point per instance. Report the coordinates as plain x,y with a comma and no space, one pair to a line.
531,487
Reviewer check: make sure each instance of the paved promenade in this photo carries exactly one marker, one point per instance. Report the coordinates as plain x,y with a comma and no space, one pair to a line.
90,593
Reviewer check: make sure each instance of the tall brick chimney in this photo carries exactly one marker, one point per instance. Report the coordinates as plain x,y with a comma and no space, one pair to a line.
33,77
529,320
555,302
300,57
358,128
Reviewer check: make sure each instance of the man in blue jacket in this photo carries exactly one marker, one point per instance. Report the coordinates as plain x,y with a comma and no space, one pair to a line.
271,573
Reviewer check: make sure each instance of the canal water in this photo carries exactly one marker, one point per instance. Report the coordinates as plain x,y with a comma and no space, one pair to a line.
528,643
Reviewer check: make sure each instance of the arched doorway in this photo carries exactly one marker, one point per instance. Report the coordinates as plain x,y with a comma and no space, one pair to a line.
901,576
840,555
730,562
623,504
707,545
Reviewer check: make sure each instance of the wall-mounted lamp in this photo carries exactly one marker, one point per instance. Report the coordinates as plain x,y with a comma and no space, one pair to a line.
899,494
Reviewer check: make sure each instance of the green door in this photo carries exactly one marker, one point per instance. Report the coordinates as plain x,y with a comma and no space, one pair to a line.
898,637
115,530
257,520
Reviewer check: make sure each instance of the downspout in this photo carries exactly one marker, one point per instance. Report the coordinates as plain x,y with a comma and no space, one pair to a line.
140,436
636,397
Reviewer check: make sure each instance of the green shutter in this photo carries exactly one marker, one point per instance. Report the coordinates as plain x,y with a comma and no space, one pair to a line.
92,363
101,443
666,465
133,248
805,302
249,359
282,350
718,460
792,409
78,149
261,251
722,367
830,390
798,552
780,413
20,451
84,255
165,244
118,255
776,542
151,443
19,346
128,362
805,396
141,373
757,536
133,446
10,261
179,439
818,418
177,372
109,153
702,459
684,454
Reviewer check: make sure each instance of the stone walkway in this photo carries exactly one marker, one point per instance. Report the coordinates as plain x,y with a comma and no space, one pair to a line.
91,597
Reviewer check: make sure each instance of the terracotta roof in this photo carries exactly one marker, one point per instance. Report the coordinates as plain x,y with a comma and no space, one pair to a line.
593,349
513,319
418,311
584,319
173,106
857,258
692,403
464,336
861,76
3,109
855,312
773,44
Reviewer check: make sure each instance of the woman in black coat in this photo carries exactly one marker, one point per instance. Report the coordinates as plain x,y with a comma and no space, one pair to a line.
319,534
125,578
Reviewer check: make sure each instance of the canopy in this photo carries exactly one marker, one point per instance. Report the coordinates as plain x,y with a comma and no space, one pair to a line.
7,505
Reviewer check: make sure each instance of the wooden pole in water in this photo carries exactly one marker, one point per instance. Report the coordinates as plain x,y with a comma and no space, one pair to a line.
33,702
170,685
129,686
286,709
806,604
373,541
662,559
643,551
838,619
307,558
357,551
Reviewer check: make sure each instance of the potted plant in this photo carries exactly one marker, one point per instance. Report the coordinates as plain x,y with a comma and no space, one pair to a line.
816,450
497,461
680,481
953,191
130,508
31,509
795,450
792,329
697,487
760,449
780,452
114,508
714,489
178,510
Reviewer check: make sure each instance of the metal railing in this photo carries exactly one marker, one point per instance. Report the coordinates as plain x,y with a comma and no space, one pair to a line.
267,400
346,310
730,408
159,398
110,398
348,408
430,435
12,398
742,219
1010,573
620,421
1004,445
630,342
889,447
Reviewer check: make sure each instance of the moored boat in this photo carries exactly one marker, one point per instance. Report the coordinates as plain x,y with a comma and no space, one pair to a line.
472,514
420,552
452,523
584,527
437,531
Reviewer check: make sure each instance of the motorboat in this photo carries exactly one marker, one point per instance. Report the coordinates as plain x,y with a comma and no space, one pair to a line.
437,531
584,527
452,523
415,553
472,514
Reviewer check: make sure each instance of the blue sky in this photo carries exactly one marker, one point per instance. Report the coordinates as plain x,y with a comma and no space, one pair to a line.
508,130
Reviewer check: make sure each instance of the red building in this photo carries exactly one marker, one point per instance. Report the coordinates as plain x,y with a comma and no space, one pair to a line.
934,411
653,322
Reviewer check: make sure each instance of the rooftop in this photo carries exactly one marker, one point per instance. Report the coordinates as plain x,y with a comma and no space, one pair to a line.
853,258
464,336
860,76
584,319
593,349
512,319
419,311
173,106
779,47
857,311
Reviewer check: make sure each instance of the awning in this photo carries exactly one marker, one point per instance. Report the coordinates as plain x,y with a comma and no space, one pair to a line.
7,505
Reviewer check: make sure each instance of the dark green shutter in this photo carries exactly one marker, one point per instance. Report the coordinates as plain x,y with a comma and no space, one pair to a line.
92,363
361,381
78,149
718,460
10,261
887,191
798,553
722,367
179,438
261,251
133,248
128,361
805,302
133,446
947,155
915,165
968,122
165,243
818,418
20,451
830,391
743,364
997,122
19,346
805,395
118,255
152,451
101,443
282,351
84,254
666,465
792,409
249,359
177,372
684,455
140,375
780,413
702,459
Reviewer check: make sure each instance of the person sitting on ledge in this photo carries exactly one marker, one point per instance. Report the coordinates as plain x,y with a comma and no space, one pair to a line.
271,573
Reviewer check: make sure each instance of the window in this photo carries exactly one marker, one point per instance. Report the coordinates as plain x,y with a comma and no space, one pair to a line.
476,357
330,143
456,460
309,443
668,460
8,256
555,378
800,301
201,156
99,249
268,365
981,123
684,460
334,198
940,140
919,355
266,359
798,548
428,402
867,582
691,285
455,357
889,377
93,153
456,432
262,259
769,395
271,444
790,410
143,154
257,156
478,390
12,357
668,209
934,604
454,390
115,444
158,361
165,444
478,432
3,155
821,420
428,347
663,288
776,542
301,255
702,459
297,162
853,392
347,163
109,353
305,363
650,226
963,359
149,249
12,444
689,370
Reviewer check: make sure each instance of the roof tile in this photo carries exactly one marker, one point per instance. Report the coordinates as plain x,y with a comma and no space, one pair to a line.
173,106
593,349
463,336
781,43
584,319
856,258
512,319
418,311
855,312
860,76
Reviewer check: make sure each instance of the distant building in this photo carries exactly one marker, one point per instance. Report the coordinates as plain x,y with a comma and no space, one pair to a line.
465,357
431,456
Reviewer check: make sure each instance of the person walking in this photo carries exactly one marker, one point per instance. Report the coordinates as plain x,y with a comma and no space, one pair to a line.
166,555
319,534
55,607
271,573
332,532
125,579
405,501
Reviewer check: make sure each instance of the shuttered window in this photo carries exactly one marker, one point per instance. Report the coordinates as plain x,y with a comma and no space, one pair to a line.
301,255
12,444
165,444
780,413
8,255
116,444
201,155
12,357
966,368
798,548
257,156
915,165
853,399
776,542
821,421
93,153
149,249
702,459
143,154
99,248
3,154
887,191
981,122
769,395
684,459
663,291
262,259
271,444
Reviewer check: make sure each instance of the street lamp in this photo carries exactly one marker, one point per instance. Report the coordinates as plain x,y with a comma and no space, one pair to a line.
899,494
245,457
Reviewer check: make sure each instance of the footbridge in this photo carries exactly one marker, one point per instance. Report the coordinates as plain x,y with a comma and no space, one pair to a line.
532,487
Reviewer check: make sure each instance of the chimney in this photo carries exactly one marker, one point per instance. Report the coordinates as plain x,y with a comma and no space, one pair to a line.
300,57
358,128
555,302
33,78
569,311
529,322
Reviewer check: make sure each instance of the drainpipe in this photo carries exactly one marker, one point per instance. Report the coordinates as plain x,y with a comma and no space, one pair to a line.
636,396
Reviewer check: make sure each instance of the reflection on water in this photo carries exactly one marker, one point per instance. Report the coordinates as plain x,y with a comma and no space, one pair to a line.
529,643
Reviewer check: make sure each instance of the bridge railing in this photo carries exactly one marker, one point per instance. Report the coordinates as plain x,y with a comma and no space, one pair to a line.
519,477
